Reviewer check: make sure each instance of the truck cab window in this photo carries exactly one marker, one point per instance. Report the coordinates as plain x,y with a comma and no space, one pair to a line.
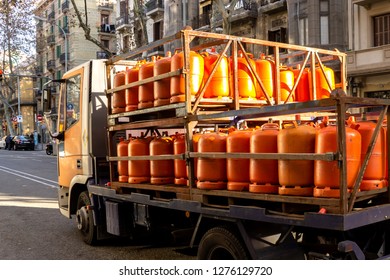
73,100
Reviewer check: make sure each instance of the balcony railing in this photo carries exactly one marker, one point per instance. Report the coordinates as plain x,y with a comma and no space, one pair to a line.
368,61
38,70
51,65
244,9
51,16
62,58
107,28
105,5
121,22
51,40
65,6
153,7
101,55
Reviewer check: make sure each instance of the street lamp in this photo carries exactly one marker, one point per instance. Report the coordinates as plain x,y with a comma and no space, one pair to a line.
65,38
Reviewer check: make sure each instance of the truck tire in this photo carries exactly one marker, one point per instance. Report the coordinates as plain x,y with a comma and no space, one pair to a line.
84,219
221,243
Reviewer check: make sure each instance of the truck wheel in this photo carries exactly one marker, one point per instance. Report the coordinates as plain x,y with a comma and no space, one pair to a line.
84,218
220,243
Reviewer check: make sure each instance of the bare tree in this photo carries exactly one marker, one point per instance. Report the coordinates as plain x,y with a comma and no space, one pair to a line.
226,11
16,39
82,19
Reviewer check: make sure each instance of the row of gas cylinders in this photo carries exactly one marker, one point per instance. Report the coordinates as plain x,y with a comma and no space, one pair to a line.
317,178
172,89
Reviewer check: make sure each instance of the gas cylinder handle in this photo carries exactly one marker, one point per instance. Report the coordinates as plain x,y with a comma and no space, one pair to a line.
270,126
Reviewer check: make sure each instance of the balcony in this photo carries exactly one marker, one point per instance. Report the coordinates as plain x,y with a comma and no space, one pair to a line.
273,6
51,16
122,22
155,8
105,5
369,61
366,3
244,10
62,58
101,55
107,28
51,40
38,71
65,6
51,65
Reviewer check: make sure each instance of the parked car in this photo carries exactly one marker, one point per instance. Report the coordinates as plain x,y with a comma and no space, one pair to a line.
2,142
22,142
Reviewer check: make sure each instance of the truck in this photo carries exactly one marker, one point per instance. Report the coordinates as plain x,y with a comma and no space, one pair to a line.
280,222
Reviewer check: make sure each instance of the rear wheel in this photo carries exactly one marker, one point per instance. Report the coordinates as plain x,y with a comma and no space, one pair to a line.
221,243
84,218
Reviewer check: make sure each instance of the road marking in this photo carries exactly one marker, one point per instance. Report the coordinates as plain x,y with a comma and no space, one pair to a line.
30,177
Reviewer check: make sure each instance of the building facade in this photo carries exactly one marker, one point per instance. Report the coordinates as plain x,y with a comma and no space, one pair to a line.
61,43
369,44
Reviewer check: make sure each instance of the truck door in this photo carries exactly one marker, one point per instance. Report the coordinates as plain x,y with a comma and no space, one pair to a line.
70,147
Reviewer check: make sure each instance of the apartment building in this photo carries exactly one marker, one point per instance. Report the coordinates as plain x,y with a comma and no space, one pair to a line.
368,60
61,43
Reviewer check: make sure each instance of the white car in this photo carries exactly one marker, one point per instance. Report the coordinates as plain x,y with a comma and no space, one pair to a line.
2,142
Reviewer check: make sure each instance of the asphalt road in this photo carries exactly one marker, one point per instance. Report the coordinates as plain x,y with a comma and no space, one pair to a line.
32,228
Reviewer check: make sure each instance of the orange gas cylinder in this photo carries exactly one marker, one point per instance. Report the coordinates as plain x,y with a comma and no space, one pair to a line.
122,151
145,91
162,88
322,88
238,169
265,69
139,170
180,168
327,173
219,83
286,84
161,171
296,176
195,145
211,173
302,92
263,173
384,125
246,80
118,102
131,95
374,176
196,73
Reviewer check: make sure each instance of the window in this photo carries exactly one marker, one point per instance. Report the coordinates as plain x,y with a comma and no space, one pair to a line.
157,31
303,31
105,43
279,35
58,51
324,22
382,30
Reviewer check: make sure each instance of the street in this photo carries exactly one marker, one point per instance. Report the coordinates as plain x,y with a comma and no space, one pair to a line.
32,228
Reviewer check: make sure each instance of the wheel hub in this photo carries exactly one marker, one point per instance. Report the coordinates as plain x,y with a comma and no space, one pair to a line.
82,219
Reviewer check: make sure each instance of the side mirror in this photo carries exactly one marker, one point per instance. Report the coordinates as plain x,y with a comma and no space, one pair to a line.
58,135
